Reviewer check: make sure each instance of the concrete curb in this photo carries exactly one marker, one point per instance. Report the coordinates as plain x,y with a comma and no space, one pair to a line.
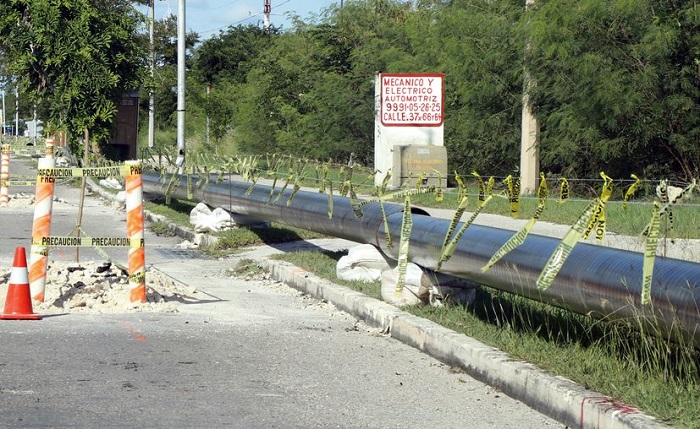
556,397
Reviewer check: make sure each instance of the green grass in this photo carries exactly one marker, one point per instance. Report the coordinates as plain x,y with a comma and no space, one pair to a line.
162,228
627,221
230,241
178,211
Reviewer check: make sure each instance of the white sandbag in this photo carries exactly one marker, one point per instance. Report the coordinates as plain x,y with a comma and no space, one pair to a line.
369,256
414,291
200,210
672,193
346,270
362,263
206,220
111,183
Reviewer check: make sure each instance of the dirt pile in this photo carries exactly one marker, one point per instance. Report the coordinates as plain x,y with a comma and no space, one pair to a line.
103,287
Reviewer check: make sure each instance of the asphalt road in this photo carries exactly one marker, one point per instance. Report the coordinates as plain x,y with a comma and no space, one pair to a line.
248,353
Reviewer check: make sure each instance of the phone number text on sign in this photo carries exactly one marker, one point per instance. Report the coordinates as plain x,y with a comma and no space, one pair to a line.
412,100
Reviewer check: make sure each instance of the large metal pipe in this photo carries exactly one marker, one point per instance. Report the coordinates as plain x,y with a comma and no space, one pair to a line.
596,280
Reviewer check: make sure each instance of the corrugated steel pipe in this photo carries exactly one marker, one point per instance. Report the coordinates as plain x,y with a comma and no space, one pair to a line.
600,281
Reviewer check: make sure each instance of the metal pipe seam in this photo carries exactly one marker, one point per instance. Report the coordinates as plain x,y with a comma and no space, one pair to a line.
600,281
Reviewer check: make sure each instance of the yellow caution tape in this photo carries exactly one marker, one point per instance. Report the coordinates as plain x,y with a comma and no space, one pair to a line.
397,194
297,186
482,188
519,238
489,185
563,190
406,227
455,220
121,170
513,185
438,192
449,249
561,253
330,198
354,203
387,234
630,191
598,221
139,277
89,242
420,181
667,207
461,191
189,187
650,245
322,173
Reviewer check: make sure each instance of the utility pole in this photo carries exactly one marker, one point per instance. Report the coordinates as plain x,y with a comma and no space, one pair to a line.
530,137
151,94
4,113
208,109
17,113
181,148
267,10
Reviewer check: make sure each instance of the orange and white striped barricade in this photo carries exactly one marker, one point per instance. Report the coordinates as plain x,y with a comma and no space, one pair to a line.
5,176
134,229
49,146
43,204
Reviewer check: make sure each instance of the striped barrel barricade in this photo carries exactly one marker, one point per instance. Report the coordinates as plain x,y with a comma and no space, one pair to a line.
134,228
39,255
5,176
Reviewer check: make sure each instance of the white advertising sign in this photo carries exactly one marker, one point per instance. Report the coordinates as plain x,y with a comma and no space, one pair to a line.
412,100
409,111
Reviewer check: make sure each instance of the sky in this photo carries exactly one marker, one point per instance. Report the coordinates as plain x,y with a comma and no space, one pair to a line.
208,17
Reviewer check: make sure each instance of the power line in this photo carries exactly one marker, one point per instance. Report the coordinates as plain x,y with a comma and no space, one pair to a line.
224,5
231,24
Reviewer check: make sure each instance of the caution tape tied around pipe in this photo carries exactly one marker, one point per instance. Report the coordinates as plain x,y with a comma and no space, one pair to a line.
406,227
519,237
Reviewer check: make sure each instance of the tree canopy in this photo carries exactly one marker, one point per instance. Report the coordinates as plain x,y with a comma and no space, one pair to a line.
78,57
616,85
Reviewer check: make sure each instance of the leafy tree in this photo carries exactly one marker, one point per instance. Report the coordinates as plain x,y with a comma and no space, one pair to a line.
80,56
616,83
230,55
165,77
482,58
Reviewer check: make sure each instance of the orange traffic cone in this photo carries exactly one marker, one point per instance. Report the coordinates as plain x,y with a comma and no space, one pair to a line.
18,305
